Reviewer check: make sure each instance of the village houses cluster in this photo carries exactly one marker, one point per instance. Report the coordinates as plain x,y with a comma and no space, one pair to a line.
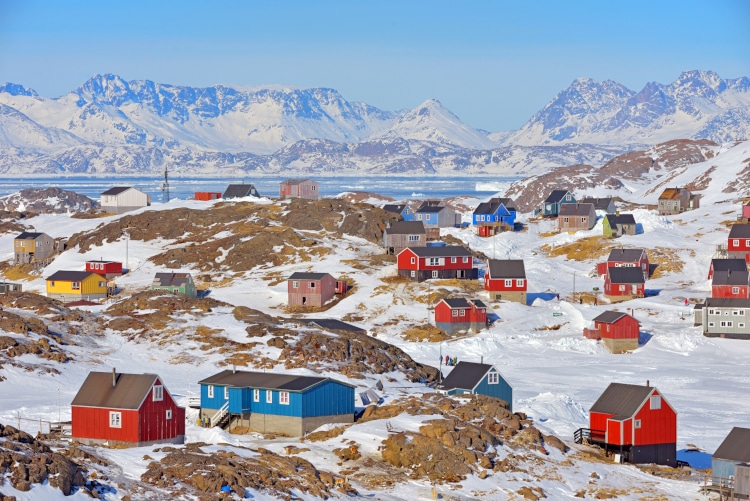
634,423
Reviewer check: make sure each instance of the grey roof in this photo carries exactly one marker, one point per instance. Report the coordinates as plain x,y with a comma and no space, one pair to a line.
622,400
396,208
29,235
598,203
610,317
128,393
625,254
240,191
615,220
727,302
172,279
298,275
406,228
69,276
297,181
432,208
431,203
116,190
576,209
266,380
506,268
332,324
728,264
465,376
461,303
556,196
492,205
736,447
625,275
740,230
445,251
729,277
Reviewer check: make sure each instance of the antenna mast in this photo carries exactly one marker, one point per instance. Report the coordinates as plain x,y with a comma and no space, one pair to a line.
165,184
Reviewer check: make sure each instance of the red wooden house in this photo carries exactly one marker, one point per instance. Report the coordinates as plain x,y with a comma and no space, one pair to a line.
730,284
621,284
738,242
423,263
107,269
618,331
126,410
458,314
310,289
724,265
635,422
506,279
299,188
625,258
206,196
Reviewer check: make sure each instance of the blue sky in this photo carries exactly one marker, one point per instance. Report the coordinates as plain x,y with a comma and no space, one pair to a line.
493,63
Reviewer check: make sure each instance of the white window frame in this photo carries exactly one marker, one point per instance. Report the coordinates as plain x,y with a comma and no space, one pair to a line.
115,419
735,243
711,324
454,313
622,288
462,313
76,286
158,393
269,396
493,378
565,219
433,261
726,323
312,285
284,397
519,282
295,284
655,402
735,290
741,325
435,274
466,259
169,414
637,424
256,395
747,243
413,274
583,219
210,391
413,260
413,238
226,393
509,282
454,260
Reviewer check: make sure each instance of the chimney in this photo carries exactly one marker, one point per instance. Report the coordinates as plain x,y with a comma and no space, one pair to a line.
482,359
648,384
114,377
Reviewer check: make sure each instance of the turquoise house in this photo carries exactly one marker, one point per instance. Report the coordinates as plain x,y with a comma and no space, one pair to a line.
481,379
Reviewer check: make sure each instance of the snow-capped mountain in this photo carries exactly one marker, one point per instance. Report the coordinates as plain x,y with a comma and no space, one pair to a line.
138,127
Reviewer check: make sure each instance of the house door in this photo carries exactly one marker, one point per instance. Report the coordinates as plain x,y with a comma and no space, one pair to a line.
304,299
461,274
634,289
434,274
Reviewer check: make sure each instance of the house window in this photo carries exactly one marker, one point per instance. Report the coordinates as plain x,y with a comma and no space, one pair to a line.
102,284
741,325
655,403
256,395
413,238
583,219
115,419
463,313
52,283
413,274
453,260
608,327
295,284
158,395
269,397
312,285
454,313
747,243
735,290
738,313
76,286
493,378
565,220
736,243
226,393
622,288
466,260
567,197
711,324
211,391
725,323
509,283
434,261
519,282
434,274
419,217
284,398
714,312
637,424
169,413
413,260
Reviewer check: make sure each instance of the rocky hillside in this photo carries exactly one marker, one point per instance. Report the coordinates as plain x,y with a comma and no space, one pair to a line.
47,201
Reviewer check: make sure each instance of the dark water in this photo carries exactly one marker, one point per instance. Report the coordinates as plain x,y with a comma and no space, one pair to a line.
398,188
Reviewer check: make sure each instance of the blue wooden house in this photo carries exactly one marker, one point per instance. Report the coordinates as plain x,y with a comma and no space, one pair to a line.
403,211
497,214
482,379
551,205
734,451
274,403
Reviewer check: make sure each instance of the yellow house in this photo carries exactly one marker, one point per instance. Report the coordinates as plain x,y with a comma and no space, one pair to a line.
69,286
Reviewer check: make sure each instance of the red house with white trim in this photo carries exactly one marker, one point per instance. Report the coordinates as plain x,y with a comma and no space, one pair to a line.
506,279
718,265
458,314
618,331
621,284
634,421
310,289
625,258
422,263
129,410
731,284
107,269
738,242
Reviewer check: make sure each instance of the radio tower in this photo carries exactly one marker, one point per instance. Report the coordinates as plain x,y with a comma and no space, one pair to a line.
165,184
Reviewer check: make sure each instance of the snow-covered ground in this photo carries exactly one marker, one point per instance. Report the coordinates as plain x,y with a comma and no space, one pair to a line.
556,374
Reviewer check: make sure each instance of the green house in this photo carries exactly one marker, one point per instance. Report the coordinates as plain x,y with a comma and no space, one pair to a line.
617,225
175,282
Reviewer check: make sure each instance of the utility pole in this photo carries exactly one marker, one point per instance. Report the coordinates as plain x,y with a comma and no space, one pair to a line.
574,286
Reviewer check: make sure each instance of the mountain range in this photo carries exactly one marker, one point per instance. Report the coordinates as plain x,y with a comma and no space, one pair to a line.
113,126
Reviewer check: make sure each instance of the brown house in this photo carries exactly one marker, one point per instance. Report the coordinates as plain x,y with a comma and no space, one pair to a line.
30,246
402,234
310,289
676,200
299,188
575,217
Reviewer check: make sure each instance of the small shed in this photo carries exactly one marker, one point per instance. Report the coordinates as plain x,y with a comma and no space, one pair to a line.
240,191
207,196
299,188
618,331
10,287
477,378
175,282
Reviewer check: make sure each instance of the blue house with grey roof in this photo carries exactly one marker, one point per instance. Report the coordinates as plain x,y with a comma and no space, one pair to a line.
269,402
552,204
481,379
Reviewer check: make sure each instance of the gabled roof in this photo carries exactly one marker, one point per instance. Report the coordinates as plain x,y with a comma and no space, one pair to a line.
331,324
240,191
431,203
459,303
671,193
729,277
506,268
622,400
432,209
740,230
172,279
625,255
727,302
576,209
556,196
610,317
128,393
492,206
615,220
598,203
291,182
69,276
298,275
465,376
736,447
28,235
395,208
444,251
728,265
117,190
406,228
625,275
266,380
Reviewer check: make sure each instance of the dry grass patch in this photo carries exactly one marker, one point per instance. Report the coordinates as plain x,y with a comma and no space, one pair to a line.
547,234
667,261
583,249
468,286
20,272
728,223
425,332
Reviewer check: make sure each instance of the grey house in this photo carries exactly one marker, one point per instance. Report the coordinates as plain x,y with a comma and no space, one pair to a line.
435,217
30,246
575,217
724,317
240,191
731,460
606,204
121,199
402,234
